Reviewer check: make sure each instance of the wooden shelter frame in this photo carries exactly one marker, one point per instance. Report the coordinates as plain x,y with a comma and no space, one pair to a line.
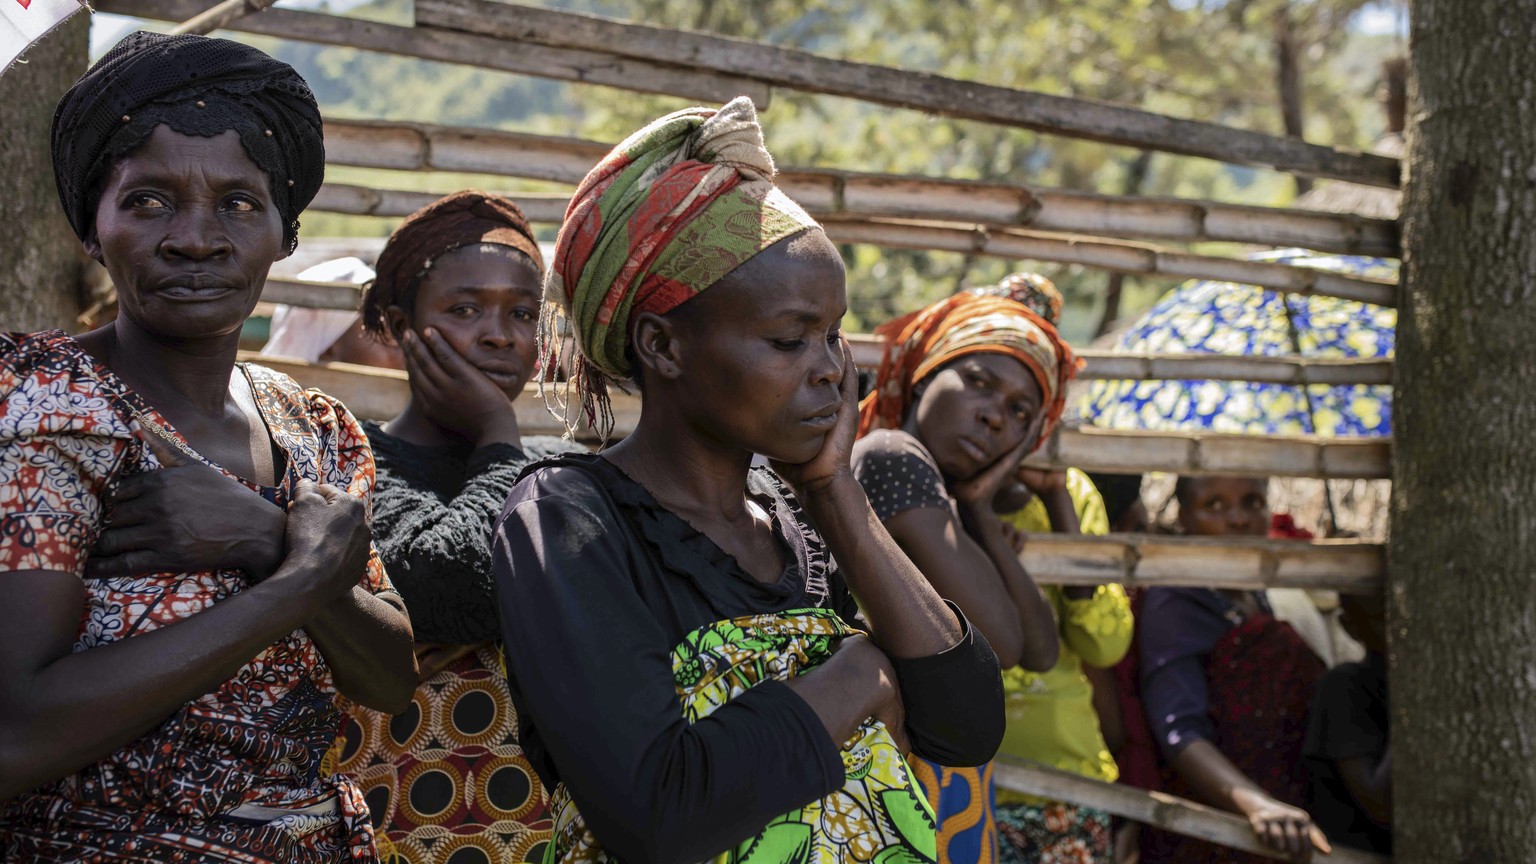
1006,220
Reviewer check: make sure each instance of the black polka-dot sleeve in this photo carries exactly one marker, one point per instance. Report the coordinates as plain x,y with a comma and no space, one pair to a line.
897,474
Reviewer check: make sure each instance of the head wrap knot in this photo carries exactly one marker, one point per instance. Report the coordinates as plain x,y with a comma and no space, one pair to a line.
665,215
196,86
1039,294
464,218
917,345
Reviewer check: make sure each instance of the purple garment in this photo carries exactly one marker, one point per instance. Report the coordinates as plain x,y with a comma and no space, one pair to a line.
1178,628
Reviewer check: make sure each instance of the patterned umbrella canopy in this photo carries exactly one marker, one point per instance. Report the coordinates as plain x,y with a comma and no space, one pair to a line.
1227,318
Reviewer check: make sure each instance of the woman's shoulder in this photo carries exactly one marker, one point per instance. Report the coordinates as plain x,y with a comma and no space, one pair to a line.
889,442
581,479
48,383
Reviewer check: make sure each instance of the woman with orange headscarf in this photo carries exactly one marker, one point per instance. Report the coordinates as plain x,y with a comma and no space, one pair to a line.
968,386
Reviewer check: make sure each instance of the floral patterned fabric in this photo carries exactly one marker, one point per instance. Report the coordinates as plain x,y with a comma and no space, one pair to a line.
67,439
1054,833
1227,318
879,815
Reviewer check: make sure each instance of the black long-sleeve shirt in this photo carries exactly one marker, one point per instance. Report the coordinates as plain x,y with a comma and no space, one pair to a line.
433,513
597,583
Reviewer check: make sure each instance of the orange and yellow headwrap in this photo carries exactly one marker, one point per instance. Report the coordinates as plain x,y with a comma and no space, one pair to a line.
916,345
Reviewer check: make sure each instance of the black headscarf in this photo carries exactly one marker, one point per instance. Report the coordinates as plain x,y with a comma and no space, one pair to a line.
196,86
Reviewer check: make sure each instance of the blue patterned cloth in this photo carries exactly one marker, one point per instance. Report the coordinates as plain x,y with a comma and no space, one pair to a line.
1228,318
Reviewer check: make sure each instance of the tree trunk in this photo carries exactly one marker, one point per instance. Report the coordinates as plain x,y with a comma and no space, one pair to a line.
39,275
1463,546
1288,82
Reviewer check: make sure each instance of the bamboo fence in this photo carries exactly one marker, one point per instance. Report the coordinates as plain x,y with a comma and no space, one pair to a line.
1100,365
381,393
934,94
423,147
1151,808
1133,560
577,64
1115,255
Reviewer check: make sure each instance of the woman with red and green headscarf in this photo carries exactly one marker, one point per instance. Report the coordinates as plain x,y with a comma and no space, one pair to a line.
693,675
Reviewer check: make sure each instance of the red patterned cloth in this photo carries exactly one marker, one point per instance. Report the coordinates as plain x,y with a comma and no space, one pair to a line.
1262,679
66,441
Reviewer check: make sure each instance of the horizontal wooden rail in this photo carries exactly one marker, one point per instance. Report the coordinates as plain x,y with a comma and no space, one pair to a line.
419,147
381,393
1101,365
1207,453
1151,808
581,64
1239,563
801,70
1116,366
1117,255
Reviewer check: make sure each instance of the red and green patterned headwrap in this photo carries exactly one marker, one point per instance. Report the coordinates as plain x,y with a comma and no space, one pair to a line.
672,210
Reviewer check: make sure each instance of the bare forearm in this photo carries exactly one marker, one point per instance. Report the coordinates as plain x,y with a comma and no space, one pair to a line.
366,640
1040,640
906,616
83,706
1215,779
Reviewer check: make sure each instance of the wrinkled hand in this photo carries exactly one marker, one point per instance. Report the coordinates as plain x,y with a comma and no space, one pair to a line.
836,452
328,533
434,657
454,394
186,516
1287,829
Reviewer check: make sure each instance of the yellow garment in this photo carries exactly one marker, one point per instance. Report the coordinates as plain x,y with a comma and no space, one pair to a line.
1051,719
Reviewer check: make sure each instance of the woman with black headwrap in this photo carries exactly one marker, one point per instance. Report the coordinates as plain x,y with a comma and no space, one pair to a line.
186,565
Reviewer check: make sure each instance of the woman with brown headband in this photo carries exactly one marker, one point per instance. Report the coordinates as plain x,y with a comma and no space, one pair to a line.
682,636
458,287
185,563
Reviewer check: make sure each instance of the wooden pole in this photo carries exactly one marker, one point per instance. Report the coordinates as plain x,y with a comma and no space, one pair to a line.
219,16
800,70
563,64
420,147
1120,256
1151,808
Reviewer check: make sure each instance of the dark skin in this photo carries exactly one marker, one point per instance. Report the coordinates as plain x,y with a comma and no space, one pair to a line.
1368,780
757,364
1223,507
978,415
469,345
187,230
356,346
469,342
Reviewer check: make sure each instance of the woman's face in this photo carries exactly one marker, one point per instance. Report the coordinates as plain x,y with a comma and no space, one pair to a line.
1221,506
484,299
975,409
757,359
187,230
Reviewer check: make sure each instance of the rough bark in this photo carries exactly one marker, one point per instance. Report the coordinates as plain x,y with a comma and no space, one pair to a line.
1463,535
39,276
